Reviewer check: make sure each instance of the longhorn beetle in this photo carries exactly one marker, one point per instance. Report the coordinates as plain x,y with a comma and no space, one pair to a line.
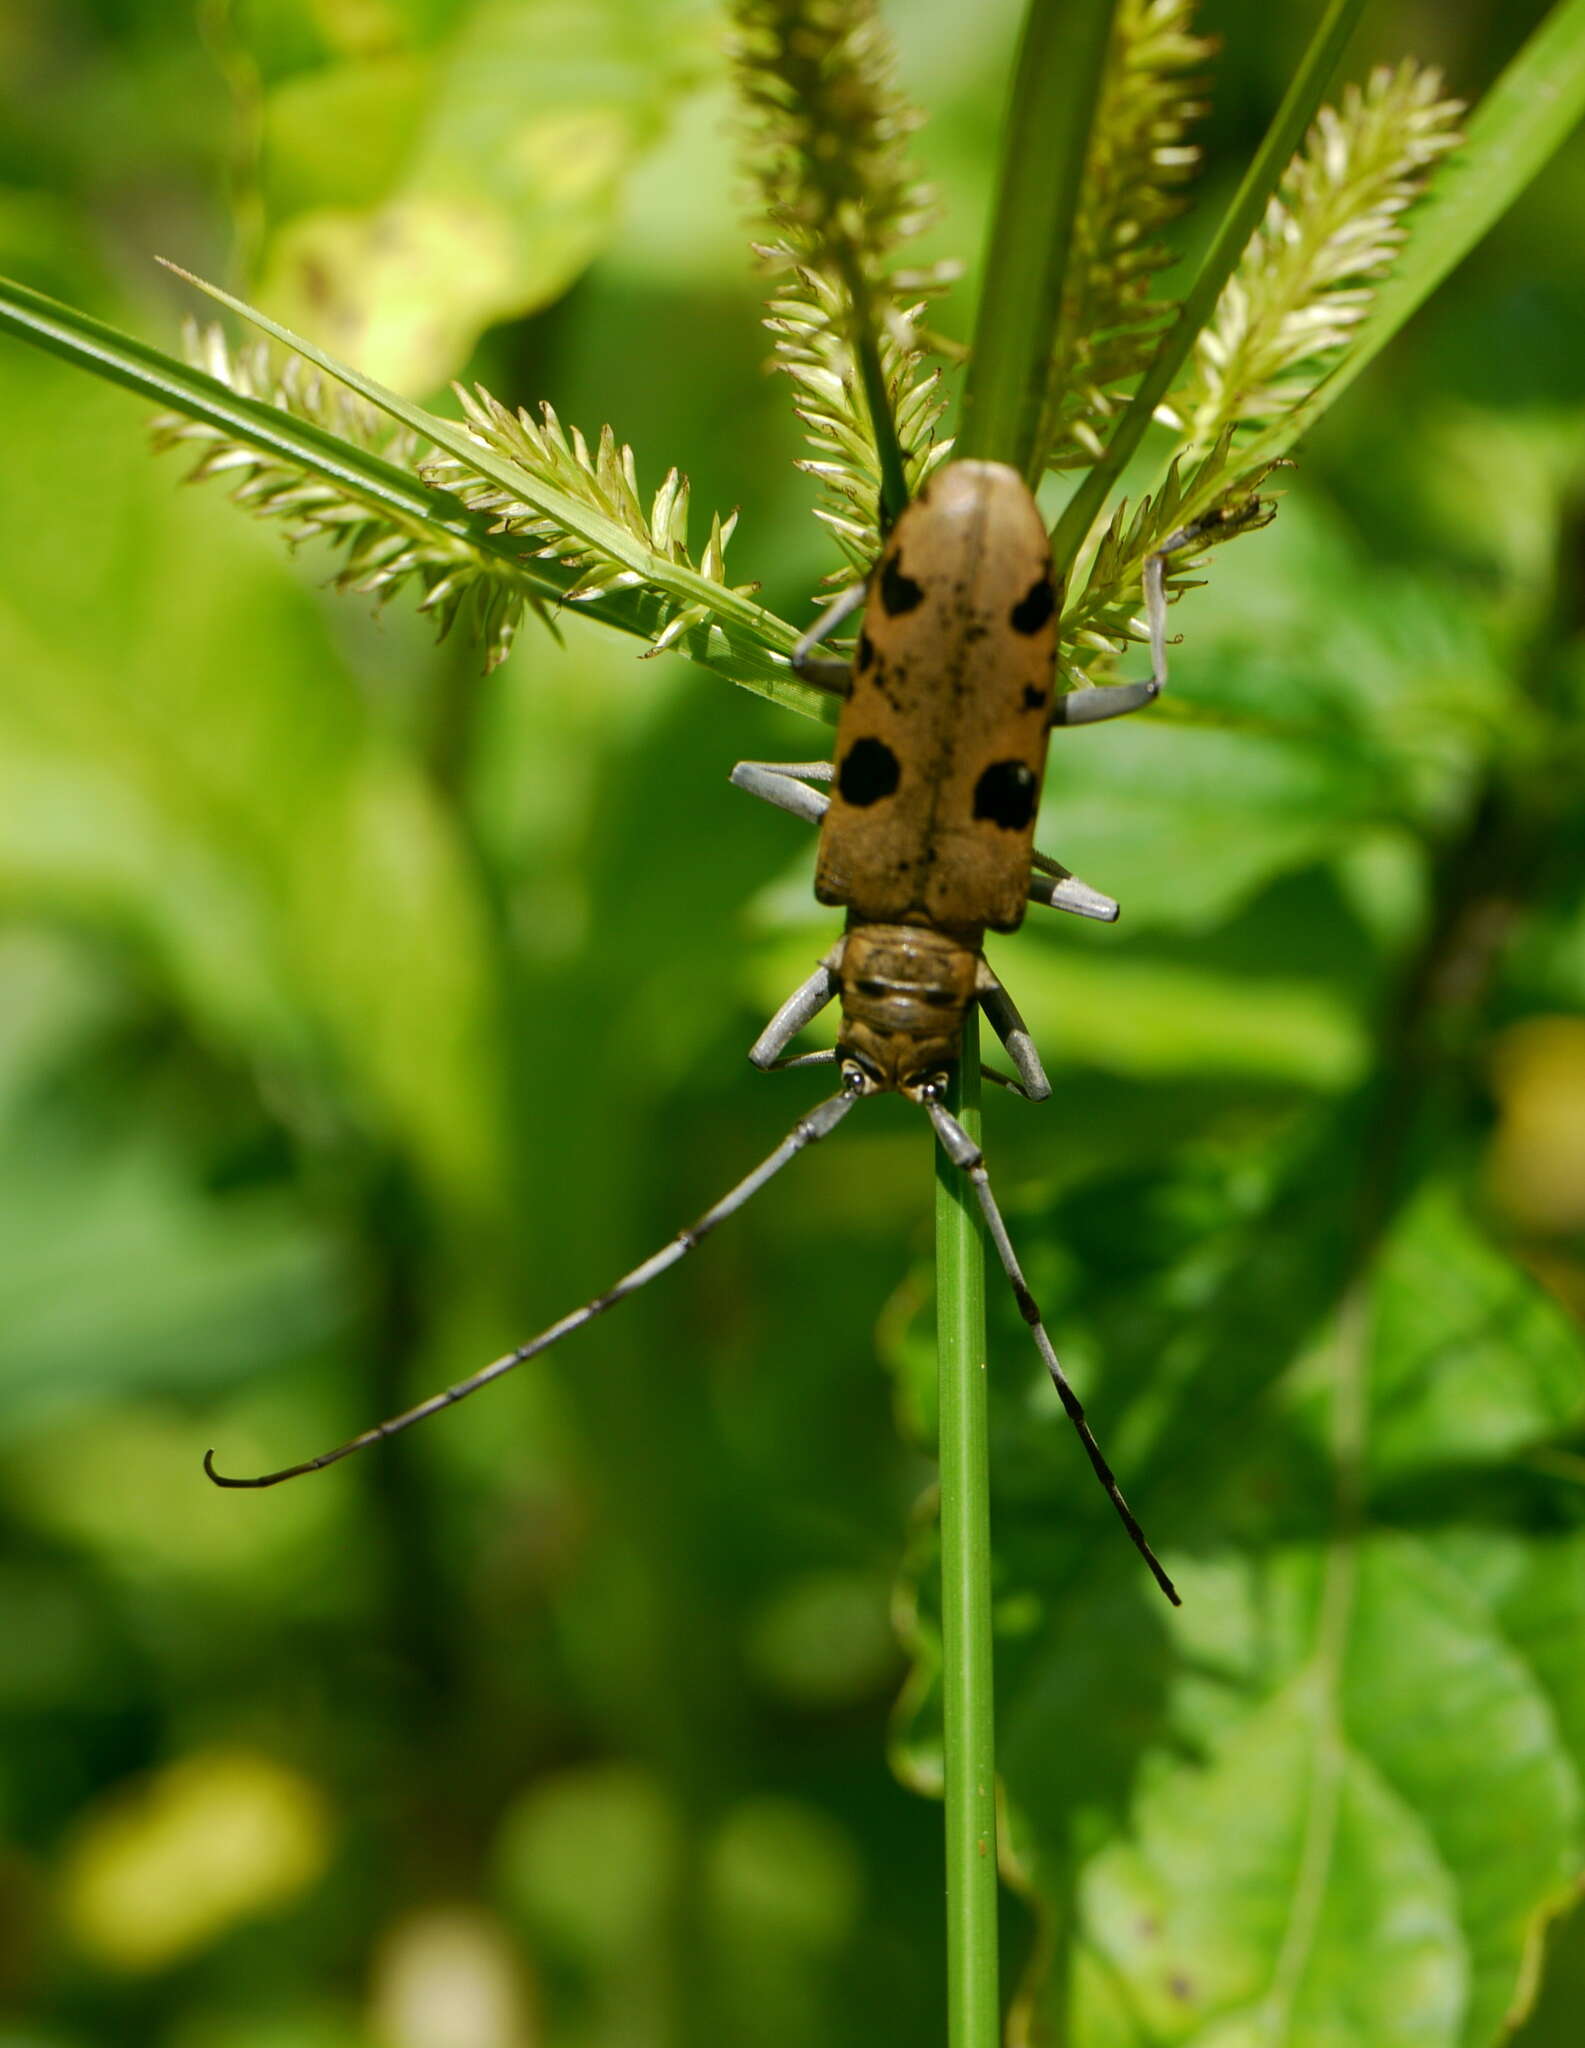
927,840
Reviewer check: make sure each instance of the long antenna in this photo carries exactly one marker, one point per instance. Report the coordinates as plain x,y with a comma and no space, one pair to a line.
817,1123
961,1149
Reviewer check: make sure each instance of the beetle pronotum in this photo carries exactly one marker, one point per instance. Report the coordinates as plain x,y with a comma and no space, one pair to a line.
927,841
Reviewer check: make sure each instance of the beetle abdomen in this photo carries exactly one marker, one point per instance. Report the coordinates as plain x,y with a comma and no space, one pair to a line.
905,991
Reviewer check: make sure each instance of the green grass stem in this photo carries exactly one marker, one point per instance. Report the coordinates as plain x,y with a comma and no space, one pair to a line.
1055,87
968,1695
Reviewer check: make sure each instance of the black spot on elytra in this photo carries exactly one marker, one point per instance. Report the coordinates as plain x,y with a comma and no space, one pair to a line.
865,654
1033,609
899,593
869,771
1034,700
1005,794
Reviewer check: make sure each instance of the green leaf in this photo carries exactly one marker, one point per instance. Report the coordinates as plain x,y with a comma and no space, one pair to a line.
1476,1363
120,1276
495,168
1365,1854
141,803
1337,1796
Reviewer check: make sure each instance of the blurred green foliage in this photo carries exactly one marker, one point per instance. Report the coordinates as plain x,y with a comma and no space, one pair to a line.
360,1014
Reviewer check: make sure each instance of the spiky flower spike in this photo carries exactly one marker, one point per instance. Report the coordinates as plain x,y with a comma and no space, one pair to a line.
605,481
1137,166
380,553
1303,285
1330,234
827,134
383,553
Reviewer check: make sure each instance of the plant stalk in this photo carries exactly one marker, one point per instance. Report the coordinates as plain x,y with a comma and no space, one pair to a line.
968,1698
1055,84
1055,87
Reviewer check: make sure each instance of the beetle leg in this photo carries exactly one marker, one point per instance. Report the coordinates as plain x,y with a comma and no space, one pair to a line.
1155,587
1107,700
826,674
786,785
1055,886
801,1007
1116,700
1002,1014
1215,526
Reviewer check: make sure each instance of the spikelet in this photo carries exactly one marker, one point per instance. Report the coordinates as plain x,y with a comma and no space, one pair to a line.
1137,167
826,141
1330,235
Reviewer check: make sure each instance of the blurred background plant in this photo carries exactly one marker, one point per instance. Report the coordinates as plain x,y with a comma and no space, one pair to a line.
360,1013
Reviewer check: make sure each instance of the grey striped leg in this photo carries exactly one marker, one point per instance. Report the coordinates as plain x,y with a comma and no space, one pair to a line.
1116,700
961,1149
786,785
817,1123
1155,585
801,1008
1055,886
1218,525
826,674
1106,700
1002,1014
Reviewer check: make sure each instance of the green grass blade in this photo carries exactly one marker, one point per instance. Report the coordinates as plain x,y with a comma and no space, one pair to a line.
1528,114
1299,106
750,657
166,381
1055,86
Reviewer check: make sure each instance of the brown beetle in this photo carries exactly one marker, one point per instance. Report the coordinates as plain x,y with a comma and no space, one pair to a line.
927,840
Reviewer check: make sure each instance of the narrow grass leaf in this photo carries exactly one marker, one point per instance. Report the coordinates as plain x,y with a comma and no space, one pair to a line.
1260,181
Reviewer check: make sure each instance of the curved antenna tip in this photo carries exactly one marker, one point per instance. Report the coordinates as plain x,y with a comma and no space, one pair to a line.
219,1478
